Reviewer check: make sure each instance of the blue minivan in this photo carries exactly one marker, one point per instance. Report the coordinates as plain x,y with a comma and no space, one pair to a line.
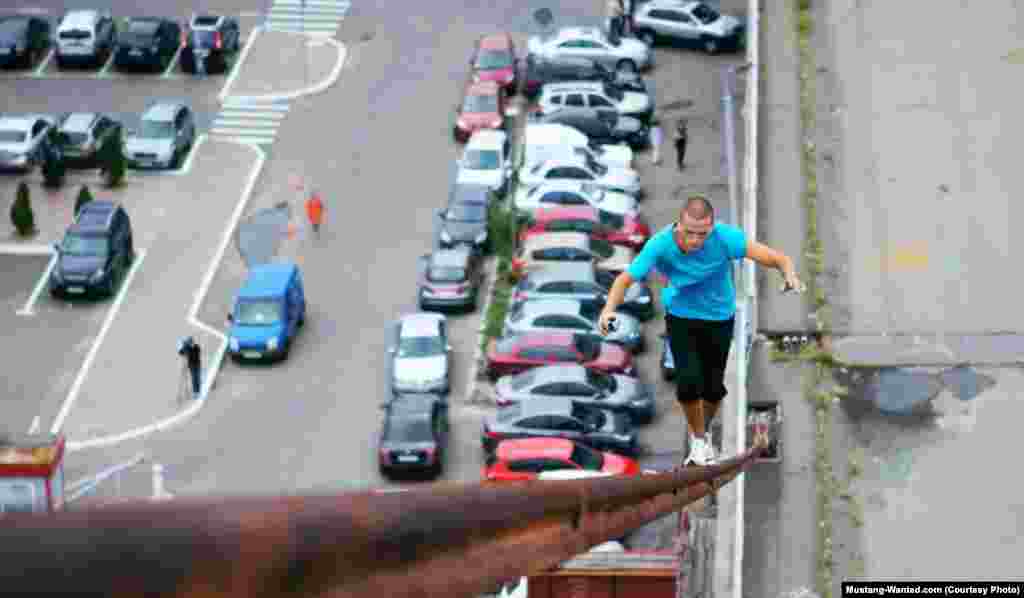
268,312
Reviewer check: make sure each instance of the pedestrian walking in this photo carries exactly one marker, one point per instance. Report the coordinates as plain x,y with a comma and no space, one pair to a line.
315,212
696,255
615,18
680,139
189,349
656,142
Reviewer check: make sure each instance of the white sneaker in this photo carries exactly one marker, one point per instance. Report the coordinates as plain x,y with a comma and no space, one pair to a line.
709,450
698,451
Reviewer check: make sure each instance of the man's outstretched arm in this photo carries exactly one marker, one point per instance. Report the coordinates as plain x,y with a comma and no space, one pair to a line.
773,258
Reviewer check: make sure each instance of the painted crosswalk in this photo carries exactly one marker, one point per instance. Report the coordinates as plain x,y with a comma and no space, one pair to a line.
318,17
248,122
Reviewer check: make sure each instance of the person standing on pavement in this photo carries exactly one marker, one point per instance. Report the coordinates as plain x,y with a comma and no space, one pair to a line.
696,254
681,138
315,212
656,142
189,349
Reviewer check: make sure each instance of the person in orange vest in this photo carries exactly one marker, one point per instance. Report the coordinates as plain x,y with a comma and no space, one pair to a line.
315,211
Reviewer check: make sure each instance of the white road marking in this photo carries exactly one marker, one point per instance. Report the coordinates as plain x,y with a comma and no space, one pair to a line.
22,249
261,131
235,104
251,14
246,122
309,13
26,310
332,3
34,428
42,65
76,387
246,139
170,66
238,63
106,67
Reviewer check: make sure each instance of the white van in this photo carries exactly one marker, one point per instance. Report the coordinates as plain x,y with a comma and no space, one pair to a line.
553,141
85,36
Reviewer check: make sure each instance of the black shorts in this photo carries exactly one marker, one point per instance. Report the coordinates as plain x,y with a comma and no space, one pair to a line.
700,349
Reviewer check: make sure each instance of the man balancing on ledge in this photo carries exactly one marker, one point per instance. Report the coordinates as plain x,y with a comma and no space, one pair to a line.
695,255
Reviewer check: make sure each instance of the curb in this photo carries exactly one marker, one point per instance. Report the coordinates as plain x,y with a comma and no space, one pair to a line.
330,80
34,249
478,353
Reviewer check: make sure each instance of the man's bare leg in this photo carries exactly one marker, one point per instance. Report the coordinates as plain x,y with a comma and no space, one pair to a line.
710,409
694,411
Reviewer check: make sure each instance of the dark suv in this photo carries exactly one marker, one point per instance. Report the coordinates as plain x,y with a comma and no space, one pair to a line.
540,72
96,252
148,42
23,39
209,39
464,221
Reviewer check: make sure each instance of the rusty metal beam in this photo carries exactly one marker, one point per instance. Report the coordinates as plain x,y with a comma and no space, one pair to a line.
441,540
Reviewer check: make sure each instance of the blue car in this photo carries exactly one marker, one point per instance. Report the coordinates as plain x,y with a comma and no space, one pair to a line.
267,314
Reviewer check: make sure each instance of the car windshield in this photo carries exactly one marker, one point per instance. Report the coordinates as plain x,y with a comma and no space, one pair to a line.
588,345
564,198
611,219
613,92
480,103
705,14
156,129
605,382
587,458
75,34
446,274
420,346
481,160
11,136
468,212
263,312
79,245
493,59
590,416
523,380
409,429
602,248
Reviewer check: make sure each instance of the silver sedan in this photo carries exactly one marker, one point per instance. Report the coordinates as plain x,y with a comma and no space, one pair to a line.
624,54
571,314
581,385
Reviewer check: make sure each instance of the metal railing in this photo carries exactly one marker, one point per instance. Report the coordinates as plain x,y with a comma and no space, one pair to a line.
446,540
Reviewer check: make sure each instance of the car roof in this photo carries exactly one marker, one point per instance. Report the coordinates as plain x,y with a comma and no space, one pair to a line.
161,111
539,307
532,448
470,193
560,372
534,339
569,86
420,324
555,271
486,138
482,88
568,159
496,41
413,402
78,121
573,212
77,18
456,257
576,240
577,32
268,280
550,405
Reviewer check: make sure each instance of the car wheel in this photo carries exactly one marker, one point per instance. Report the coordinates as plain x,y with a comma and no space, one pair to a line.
710,45
175,161
647,37
626,66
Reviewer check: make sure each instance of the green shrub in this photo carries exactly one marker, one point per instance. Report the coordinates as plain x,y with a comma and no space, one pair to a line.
84,197
112,160
502,228
53,171
22,217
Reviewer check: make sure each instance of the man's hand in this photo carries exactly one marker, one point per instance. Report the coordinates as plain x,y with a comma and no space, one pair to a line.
606,322
793,283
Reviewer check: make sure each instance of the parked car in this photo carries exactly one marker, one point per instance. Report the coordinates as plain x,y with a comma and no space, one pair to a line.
96,252
559,417
22,139
516,353
571,315
689,23
623,54
668,362
414,435
80,135
580,168
165,135
23,40
451,278
580,280
420,354
541,71
147,42
581,385
629,231
568,193
494,59
85,37
267,314
601,96
542,249
526,458
486,160
602,126
546,141
464,221
483,107
210,39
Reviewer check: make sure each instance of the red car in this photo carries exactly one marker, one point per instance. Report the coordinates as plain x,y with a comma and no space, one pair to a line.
483,107
494,59
629,231
525,458
514,354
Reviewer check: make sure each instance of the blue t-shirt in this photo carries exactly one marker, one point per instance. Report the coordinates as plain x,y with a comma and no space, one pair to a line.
699,282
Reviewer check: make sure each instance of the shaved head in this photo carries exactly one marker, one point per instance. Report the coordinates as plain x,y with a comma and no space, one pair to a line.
697,207
696,220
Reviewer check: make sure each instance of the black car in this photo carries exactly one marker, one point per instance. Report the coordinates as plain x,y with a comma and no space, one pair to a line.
414,435
148,42
23,39
96,252
81,135
464,221
450,278
540,72
560,417
209,40
602,126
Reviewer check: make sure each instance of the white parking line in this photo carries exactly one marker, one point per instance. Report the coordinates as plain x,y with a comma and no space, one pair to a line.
26,310
34,428
76,387
251,15
238,62
106,67
170,67
42,65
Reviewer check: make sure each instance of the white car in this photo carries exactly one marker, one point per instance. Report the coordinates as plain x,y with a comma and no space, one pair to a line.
625,53
693,23
555,96
21,140
543,141
579,168
574,193
421,354
486,160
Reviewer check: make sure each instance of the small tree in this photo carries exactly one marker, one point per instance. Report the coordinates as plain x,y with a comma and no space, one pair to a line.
84,197
112,161
22,218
